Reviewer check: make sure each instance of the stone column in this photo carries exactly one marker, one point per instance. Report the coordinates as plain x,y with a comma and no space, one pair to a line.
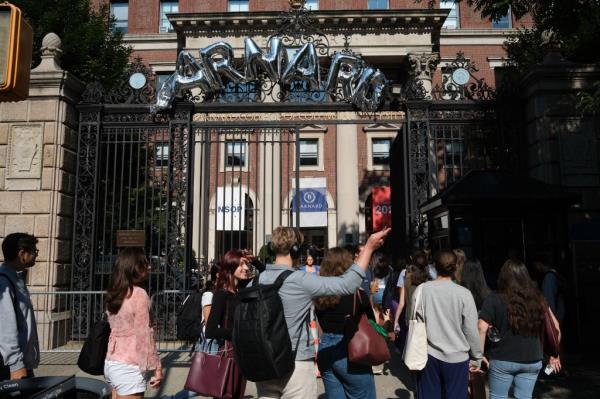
347,183
422,67
38,147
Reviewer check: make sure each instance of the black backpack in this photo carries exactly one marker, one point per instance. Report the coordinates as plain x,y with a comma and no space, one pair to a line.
261,344
189,318
93,353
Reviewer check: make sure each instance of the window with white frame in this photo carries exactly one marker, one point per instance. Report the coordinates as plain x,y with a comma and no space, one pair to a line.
235,153
161,77
503,22
380,150
167,7
452,20
162,155
312,4
378,4
238,5
120,11
309,152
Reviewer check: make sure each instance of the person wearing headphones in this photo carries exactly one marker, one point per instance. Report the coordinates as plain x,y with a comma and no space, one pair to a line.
297,293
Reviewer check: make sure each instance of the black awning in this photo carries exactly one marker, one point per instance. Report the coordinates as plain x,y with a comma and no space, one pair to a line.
493,186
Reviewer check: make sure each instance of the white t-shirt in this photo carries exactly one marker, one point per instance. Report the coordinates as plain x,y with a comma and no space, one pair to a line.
207,298
401,277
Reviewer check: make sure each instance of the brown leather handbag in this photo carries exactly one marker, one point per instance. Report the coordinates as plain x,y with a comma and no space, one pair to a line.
365,346
549,337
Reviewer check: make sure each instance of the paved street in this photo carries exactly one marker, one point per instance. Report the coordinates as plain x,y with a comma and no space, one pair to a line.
581,382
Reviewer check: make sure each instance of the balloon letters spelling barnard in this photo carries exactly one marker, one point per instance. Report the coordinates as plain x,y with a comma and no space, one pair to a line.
349,79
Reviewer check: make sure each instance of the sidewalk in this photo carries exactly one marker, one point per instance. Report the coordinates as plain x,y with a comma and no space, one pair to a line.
580,381
176,366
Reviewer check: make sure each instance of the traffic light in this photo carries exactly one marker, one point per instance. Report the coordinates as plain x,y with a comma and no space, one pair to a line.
16,40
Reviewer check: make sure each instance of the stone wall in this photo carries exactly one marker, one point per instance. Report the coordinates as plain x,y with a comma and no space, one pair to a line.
38,146
563,146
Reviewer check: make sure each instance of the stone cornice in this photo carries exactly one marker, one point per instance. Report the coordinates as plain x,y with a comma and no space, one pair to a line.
462,37
563,78
355,21
55,84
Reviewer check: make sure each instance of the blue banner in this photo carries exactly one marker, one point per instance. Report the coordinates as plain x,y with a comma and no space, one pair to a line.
311,200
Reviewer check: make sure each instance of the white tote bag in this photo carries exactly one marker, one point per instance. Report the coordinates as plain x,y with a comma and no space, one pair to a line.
415,350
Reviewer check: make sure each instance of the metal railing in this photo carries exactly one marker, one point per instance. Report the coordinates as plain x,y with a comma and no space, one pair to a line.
60,313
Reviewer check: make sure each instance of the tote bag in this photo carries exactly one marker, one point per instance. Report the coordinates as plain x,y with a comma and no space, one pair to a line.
549,336
415,349
216,375
367,346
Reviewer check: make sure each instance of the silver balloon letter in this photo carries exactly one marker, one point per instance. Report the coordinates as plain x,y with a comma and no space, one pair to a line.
304,66
344,69
369,92
271,63
189,73
218,58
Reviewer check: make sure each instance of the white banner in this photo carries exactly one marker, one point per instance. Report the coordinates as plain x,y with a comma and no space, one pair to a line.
230,208
312,200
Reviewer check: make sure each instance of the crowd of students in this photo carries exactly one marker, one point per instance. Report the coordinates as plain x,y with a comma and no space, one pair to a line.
469,328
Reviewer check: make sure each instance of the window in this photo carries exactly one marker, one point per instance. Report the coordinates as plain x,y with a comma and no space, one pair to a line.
162,154
309,152
238,5
378,4
381,151
312,4
235,153
503,22
161,78
120,11
452,21
167,7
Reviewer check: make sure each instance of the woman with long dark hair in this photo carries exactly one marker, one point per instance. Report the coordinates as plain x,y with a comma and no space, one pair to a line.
341,378
472,278
131,346
416,273
514,316
234,269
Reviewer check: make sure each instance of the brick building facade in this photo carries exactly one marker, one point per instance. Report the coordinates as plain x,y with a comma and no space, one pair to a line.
389,34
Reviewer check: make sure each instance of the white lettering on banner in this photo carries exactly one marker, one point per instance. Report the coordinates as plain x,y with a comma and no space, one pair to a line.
383,209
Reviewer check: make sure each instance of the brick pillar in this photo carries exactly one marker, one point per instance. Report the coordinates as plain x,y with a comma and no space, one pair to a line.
38,146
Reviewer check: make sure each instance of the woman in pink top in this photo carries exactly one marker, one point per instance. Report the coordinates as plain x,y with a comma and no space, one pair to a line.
131,347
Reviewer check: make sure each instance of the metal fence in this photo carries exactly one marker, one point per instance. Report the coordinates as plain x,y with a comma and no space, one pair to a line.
60,314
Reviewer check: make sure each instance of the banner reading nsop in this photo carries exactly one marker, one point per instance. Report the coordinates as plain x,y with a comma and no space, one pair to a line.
312,201
230,208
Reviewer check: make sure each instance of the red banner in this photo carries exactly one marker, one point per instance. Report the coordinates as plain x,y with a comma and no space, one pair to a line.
381,198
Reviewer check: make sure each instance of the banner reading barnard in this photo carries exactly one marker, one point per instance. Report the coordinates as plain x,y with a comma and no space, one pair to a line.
312,201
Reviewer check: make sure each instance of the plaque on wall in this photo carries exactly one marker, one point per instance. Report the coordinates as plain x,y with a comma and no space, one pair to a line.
131,238
24,160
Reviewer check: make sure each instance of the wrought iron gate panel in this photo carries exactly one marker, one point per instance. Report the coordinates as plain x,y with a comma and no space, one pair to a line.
132,175
418,153
85,213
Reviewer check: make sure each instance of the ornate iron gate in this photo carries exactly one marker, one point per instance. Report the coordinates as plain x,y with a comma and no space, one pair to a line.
194,189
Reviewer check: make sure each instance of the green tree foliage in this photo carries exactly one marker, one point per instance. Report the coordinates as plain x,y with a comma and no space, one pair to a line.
91,49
